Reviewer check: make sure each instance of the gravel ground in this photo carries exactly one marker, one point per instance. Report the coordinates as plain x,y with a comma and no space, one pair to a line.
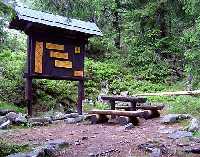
105,139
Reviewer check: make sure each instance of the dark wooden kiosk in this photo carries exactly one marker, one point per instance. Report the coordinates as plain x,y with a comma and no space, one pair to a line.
56,48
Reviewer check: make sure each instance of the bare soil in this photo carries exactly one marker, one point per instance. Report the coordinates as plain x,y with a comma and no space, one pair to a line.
104,139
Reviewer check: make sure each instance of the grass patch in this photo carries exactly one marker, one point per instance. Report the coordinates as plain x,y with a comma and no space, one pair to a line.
10,148
4,105
97,105
196,134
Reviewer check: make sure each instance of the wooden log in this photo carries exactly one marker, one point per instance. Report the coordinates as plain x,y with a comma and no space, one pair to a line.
195,92
119,113
142,107
124,99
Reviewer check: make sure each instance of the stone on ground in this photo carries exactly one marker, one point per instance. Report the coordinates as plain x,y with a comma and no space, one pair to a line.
3,119
180,134
12,116
173,118
5,125
4,112
128,126
21,119
194,125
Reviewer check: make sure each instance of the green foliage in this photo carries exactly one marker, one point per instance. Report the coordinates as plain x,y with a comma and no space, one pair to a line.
196,134
5,105
10,148
11,78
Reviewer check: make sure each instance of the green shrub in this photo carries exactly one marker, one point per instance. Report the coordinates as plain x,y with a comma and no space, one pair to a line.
4,105
10,148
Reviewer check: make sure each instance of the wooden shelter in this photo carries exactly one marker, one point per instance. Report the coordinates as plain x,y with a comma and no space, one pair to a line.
56,48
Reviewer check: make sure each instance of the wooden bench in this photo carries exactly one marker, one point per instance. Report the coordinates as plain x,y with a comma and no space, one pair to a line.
101,116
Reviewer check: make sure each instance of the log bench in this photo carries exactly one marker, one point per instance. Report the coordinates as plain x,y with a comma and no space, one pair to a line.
102,116
153,111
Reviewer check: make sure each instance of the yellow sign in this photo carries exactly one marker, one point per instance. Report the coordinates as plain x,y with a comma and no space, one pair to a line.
38,57
61,55
78,73
54,46
63,64
77,50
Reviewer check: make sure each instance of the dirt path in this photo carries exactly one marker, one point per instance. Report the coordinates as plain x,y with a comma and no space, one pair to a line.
97,139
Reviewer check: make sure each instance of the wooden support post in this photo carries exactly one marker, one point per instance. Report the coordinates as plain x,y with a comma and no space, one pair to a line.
80,97
29,96
133,106
29,79
112,104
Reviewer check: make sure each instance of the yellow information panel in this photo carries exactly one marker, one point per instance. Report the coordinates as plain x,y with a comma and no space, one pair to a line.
78,73
54,46
38,57
61,55
63,64
77,50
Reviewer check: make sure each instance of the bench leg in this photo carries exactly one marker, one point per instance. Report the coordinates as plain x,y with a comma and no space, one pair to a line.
112,104
152,114
133,106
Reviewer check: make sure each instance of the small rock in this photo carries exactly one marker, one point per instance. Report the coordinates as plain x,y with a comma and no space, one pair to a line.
91,155
180,134
5,125
194,125
170,118
44,120
58,143
193,150
21,119
85,138
70,121
58,116
156,152
74,115
4,112
3,119
35,153
129,126
77,143
12,116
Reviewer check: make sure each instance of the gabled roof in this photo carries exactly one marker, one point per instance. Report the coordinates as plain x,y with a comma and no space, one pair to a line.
26,14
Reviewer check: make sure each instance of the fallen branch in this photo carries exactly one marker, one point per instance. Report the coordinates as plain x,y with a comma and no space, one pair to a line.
196,92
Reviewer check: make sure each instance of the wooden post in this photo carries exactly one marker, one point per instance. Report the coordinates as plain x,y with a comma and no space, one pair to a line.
112,103
133,106
28,78
80,96
29,95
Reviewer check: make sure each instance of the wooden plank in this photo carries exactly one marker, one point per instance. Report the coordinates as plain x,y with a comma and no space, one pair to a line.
78,73
125,99
38,57
119,113
142,107
54,46
195,92
63,64
61,55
